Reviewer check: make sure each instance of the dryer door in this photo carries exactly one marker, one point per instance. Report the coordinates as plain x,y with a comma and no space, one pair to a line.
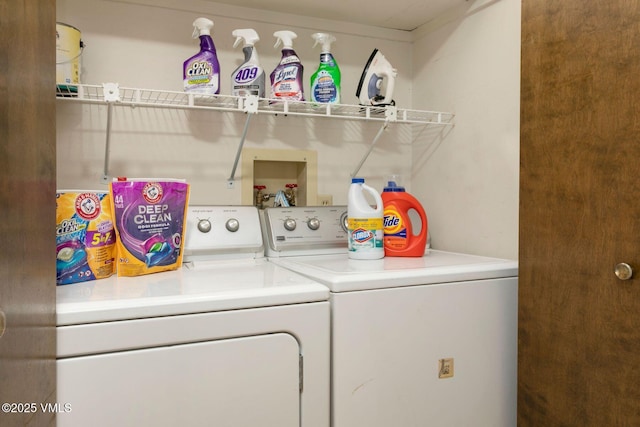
249,381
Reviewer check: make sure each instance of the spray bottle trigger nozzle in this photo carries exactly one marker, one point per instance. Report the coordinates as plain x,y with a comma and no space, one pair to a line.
324,39
284,37
201,26
248,35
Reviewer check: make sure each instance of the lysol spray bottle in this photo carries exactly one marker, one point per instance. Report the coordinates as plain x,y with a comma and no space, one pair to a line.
365,223
286,78
402,237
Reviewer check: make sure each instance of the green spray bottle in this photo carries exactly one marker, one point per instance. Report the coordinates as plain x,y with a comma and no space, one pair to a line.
325,82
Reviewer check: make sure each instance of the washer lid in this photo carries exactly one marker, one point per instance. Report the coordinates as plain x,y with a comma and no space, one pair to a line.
342,274
210,286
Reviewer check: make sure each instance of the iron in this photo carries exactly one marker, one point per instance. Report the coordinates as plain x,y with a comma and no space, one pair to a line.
377,77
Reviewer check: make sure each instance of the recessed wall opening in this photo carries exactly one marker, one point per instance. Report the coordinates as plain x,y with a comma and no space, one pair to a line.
274,171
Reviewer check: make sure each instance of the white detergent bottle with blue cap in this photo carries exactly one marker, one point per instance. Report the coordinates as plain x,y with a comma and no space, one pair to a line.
248,78
286,78
365,222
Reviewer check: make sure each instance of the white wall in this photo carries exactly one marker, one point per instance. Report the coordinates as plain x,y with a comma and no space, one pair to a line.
144,46
468,62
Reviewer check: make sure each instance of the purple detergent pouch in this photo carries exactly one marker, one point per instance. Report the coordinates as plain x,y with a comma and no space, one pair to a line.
149,218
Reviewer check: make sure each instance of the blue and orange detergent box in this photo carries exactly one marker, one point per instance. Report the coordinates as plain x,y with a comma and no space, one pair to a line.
85,236
149,216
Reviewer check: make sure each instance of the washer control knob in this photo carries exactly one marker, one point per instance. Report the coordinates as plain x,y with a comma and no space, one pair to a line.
204,225
344,222
290,224
313,223
232,225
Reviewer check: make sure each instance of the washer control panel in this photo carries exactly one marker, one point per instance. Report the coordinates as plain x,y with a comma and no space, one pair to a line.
214,231
304,230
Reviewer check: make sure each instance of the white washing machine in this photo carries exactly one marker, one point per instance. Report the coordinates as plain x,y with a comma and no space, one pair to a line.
415,342
227,340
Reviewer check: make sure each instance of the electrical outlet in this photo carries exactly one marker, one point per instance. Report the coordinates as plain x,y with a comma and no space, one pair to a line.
445,368
325,199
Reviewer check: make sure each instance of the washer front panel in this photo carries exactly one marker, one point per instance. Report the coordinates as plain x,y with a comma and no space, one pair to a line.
388,344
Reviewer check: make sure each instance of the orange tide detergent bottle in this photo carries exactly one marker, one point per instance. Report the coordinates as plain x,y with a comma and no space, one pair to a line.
401,237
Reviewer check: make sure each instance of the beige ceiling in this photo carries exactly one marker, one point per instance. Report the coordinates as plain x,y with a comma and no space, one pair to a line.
394,14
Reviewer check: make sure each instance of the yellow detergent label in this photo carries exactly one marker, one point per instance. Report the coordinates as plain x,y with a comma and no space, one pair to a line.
365,233
85,238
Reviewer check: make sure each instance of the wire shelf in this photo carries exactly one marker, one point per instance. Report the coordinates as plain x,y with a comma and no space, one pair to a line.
112,93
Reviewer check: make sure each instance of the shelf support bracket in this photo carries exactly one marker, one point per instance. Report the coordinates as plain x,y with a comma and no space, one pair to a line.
391,115
111,93
249,106
373,143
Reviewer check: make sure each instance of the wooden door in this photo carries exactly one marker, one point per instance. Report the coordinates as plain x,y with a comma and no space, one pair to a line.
27,211
579,325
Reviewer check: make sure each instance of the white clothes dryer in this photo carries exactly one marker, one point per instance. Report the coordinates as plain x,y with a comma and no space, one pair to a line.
425,341
227,340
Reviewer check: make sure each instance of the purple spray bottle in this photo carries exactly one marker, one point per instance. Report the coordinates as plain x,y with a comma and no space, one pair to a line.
286,78
201,72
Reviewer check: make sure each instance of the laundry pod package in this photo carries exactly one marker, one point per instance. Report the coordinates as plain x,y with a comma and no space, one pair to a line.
149,217
85,237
